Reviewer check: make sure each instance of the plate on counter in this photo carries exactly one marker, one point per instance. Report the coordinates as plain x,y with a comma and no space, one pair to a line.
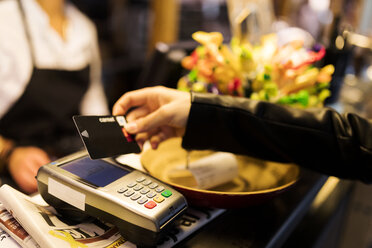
257,180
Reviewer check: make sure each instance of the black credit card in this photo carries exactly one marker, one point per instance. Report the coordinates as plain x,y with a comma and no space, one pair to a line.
105,136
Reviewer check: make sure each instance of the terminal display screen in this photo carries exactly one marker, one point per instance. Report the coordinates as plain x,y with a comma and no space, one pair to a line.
97,172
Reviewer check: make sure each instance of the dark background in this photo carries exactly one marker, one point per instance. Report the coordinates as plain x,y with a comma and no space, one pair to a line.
123,29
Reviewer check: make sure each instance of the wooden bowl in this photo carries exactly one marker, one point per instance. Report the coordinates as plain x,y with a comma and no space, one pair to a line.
257,180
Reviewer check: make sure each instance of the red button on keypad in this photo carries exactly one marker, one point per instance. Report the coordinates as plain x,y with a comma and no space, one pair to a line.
150,205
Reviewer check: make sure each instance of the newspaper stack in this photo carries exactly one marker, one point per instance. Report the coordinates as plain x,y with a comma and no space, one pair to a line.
30,222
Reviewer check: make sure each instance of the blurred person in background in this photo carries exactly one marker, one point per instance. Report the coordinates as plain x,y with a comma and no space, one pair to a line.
50,70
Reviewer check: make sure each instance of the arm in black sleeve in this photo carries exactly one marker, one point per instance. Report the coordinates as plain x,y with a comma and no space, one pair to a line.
318,139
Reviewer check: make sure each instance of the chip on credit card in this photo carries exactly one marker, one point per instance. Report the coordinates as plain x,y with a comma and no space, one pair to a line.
105,136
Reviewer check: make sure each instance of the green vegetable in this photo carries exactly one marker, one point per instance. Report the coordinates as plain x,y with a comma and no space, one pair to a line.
193,75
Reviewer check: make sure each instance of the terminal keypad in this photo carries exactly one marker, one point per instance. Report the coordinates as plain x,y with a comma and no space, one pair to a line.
145,192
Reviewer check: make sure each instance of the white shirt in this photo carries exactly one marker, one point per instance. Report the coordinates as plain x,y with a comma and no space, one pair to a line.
78,50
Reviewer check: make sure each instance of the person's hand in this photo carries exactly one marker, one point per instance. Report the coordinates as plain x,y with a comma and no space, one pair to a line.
23,165
159,113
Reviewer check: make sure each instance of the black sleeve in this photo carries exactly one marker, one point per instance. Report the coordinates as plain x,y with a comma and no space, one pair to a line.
318,139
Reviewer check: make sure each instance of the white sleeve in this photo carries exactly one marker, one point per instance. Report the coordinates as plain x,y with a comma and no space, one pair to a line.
95,101
15,59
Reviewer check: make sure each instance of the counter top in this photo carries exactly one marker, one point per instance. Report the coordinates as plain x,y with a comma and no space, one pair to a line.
273,223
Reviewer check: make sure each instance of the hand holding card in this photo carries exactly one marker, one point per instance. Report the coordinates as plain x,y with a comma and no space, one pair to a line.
105,136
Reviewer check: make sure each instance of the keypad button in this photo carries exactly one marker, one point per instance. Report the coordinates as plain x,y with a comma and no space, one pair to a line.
142,200
140,179
144,191
151,195
129,193
159,189
138,187
135,197
132,184
150,205
153,185
166,193
122,190
159,198
147,182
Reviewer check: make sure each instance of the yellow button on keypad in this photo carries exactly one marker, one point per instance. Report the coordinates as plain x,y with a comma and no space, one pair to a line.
159,198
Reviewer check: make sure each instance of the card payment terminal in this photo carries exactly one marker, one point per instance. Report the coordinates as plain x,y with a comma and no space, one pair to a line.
142,207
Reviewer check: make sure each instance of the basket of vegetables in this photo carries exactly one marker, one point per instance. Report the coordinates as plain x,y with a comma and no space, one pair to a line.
284,74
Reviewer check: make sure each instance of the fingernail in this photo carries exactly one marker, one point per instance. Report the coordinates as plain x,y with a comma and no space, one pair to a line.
132,127
115,110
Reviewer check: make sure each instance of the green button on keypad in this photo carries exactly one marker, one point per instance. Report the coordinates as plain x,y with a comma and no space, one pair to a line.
166,193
